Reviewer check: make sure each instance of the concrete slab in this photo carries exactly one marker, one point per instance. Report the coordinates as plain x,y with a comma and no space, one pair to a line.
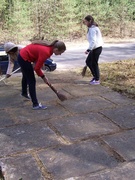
83,137
25,137
123,172
22,166
5,98
79,127
28,115
87,104
67,161
118,98
5,119
82,88
123,143
123,116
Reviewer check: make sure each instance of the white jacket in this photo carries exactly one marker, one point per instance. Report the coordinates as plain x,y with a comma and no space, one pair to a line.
94,37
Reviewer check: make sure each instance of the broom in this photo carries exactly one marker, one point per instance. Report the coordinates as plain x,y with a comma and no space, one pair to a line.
84,71
59,95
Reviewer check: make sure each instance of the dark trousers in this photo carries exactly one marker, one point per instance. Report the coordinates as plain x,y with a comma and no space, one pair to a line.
28,73
24,85
92,62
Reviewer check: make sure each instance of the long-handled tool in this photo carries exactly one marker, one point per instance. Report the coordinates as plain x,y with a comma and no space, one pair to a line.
84,71
60,96
10,74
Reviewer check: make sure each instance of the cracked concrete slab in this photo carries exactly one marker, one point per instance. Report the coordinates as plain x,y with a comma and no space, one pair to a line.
81,158
123,143
87,104
83,126
25,137
122,172
123,116
91,135
23,166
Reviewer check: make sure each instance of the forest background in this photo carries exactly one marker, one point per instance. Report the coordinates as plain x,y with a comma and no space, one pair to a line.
24,20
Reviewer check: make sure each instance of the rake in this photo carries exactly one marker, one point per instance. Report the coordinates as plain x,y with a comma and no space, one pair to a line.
2,79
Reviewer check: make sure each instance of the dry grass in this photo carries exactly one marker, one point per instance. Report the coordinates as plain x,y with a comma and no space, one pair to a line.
120,76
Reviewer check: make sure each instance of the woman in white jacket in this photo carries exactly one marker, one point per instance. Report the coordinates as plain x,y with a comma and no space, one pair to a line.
94,50
12,51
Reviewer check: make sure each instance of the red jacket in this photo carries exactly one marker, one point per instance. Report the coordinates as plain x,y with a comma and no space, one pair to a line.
38,54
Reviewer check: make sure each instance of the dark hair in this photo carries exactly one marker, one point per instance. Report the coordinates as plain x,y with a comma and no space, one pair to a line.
90,19
56,44
15,49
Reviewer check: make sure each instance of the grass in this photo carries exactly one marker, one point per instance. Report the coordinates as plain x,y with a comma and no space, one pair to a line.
119,76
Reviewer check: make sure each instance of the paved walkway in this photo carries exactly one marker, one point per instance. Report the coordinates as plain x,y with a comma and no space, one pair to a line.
91,136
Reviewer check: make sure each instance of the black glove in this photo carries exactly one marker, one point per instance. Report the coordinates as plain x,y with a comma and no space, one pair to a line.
88,50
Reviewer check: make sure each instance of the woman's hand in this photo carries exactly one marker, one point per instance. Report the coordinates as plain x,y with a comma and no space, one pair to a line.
87,51
45,79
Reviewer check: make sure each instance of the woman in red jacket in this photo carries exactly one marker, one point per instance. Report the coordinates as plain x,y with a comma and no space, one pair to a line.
37,52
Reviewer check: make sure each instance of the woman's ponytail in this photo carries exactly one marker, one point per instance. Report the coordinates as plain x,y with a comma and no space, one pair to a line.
44,43
56,44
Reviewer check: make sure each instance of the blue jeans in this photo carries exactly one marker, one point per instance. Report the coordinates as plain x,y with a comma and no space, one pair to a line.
28,73
92,62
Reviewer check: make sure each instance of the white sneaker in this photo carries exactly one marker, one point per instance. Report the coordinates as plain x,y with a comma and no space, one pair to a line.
94,82
40,106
